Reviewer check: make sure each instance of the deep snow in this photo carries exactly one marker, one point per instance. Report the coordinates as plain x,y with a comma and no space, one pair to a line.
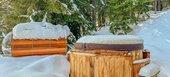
149,70
40,30
35,66
155,33
111,39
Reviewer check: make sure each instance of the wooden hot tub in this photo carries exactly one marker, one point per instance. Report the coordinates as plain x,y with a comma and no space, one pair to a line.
107,56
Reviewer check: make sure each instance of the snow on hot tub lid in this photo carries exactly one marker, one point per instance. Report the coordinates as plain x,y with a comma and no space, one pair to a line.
111,39
117,42
40,30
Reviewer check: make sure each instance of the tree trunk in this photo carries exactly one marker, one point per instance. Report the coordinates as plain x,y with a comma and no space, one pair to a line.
158,5
99,20
94,11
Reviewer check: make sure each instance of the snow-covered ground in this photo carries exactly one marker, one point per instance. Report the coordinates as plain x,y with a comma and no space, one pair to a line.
35,66
156,34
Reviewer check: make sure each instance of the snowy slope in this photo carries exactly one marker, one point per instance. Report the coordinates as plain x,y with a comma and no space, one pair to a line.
156,35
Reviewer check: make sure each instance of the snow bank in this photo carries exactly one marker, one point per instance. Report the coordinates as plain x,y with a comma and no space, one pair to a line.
35,66
75,7
149,70
111,39
141,61
103,31
102,2
6,44
40,30
155,33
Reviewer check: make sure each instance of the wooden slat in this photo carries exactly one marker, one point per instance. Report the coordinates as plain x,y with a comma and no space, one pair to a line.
16,47
28,44
119,62
21,42
128,63
107,52
146,55
137,54
18,53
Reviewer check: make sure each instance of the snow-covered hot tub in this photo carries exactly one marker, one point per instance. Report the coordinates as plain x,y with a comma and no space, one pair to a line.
107,55
120,44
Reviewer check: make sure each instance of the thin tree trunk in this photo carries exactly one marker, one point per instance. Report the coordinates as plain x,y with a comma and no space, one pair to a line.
159,5
94,19
99,20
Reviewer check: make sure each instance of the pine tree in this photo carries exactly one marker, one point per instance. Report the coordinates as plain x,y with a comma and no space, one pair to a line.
4,9
82,16
120,13
84,13
58,12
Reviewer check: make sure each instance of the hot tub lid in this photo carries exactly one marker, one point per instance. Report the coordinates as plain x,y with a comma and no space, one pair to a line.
110,42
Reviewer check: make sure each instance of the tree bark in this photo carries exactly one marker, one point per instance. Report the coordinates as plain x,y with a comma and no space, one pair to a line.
94,11
159,5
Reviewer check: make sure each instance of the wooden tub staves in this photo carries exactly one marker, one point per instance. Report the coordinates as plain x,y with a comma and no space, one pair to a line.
38,47
100,65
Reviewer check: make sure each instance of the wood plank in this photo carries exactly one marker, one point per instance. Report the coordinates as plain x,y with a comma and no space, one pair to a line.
28,42
71,64
146,55
107,52
128,66
137,54
17,53
22,47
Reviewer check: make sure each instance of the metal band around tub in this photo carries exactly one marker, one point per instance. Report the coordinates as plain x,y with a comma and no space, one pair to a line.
92,46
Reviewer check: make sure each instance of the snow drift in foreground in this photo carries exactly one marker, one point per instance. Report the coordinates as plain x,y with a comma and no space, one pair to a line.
40,30
156,35
149,70
35,66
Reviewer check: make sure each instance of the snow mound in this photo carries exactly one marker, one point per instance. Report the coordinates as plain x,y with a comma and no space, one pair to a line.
157,40
149,70
35,66
141,61
6,44
40,30
103,31
111,39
